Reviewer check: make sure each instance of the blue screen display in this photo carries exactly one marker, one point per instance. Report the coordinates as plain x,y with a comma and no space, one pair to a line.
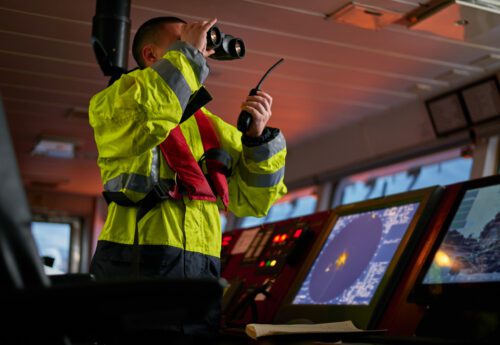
355,257
470,251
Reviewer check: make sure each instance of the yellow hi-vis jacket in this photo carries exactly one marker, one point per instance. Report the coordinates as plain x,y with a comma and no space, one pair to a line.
130,119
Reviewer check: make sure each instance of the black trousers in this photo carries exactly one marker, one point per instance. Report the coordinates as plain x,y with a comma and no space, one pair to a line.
114,261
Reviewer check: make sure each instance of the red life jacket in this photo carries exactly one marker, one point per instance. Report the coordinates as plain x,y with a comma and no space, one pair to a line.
190,178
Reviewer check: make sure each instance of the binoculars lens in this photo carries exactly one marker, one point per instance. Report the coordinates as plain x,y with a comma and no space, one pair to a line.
214,37
238,48
226,47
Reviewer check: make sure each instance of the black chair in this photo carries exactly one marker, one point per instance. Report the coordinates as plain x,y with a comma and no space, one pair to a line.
36,311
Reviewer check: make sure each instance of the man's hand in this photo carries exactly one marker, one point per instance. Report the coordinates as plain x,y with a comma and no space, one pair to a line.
196,35
259,106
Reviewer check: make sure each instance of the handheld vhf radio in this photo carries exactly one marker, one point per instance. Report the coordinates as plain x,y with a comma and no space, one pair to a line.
228,47
245,118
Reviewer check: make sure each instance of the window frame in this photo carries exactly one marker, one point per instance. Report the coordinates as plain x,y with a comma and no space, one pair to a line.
395,167
75,239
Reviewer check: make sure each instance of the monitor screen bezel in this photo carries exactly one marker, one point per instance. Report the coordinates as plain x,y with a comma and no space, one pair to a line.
492,79
465,295
364,316
463,109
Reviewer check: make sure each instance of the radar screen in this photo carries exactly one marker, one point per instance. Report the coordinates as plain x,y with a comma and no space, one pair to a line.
355,257
470,250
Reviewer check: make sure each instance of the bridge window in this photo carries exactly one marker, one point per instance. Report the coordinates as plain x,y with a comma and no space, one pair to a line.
53,241
438,169
223,220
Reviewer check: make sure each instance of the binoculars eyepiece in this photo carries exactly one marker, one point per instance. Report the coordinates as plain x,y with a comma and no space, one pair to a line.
226,47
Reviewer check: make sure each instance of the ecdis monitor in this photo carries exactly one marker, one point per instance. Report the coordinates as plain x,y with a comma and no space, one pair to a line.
353,268
353,261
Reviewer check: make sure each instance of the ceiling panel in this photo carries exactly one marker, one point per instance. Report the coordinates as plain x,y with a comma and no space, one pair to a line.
334,75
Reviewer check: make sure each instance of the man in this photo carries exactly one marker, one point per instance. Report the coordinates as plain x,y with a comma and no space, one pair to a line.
180,236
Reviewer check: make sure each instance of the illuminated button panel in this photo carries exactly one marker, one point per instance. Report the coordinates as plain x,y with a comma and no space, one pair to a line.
228,241
257,245
283,242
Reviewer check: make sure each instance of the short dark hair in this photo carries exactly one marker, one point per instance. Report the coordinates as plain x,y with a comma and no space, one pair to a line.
146,33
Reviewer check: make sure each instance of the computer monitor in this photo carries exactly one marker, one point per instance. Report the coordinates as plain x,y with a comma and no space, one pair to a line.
354,266
464,266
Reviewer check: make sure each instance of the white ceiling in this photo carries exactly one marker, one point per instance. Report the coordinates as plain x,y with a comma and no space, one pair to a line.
334,74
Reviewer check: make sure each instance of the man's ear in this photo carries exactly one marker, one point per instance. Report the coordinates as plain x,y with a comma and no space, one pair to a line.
148,53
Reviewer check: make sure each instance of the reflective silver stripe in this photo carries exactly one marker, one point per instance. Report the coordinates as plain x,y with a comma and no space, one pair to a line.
155,169
134,182
195,58
265,151
261,180
174,78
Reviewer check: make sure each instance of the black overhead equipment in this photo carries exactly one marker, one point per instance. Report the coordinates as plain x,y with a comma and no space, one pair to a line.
110,35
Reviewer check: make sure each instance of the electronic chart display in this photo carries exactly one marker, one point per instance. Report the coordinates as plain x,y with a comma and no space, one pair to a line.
470,250
355,256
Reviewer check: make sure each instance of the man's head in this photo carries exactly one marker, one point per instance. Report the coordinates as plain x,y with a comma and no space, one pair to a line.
154,37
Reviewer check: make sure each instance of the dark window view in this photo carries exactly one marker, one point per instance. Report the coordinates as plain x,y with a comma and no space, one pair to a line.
223,220
53,240
439,169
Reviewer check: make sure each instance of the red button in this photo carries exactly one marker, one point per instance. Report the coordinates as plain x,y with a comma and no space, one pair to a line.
297,234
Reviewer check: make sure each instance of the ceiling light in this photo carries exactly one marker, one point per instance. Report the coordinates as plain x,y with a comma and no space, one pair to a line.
457,19
421,88
487,61
55,148
364,16
454,75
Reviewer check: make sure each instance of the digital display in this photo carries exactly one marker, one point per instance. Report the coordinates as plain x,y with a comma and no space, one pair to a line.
355,257
470,250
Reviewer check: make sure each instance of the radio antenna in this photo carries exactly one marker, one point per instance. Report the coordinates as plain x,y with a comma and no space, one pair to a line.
268,71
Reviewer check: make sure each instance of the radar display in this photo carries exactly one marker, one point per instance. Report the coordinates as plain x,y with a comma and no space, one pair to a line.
355,257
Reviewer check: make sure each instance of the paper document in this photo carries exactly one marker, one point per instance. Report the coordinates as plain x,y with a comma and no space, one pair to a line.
255,330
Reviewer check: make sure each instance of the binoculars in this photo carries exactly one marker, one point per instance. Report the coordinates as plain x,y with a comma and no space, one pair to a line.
226,47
